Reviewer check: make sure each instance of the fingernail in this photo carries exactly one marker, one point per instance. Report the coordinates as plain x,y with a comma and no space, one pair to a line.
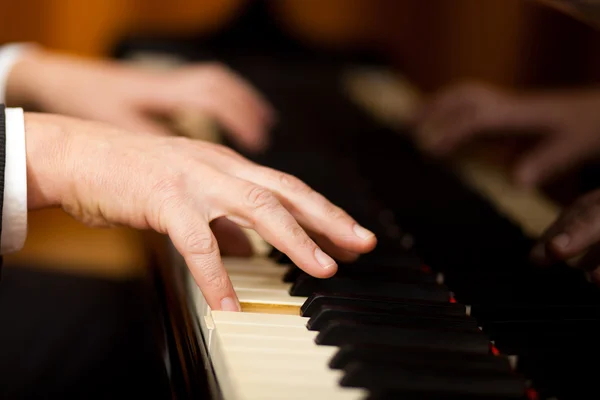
561,241
362,232
323,259
229,304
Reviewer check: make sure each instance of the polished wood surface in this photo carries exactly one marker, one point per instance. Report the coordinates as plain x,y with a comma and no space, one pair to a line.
58,242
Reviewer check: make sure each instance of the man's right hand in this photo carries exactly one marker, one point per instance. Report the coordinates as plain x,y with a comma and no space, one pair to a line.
106,176
568,124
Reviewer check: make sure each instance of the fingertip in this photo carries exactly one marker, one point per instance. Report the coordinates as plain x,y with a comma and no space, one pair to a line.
363,233
324,260
367,239
560,243
230,304
327,266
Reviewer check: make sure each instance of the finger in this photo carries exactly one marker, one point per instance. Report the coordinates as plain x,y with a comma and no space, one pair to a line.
595,276
312,210
588,260
241,92
332,249
246,128
449,131
261,210
578,233
571,233
232,240
242,89
548,159
192,237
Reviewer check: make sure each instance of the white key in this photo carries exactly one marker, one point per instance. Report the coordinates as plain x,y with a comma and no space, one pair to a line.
258,319
272,369
266,283
275,297
267,356
249,262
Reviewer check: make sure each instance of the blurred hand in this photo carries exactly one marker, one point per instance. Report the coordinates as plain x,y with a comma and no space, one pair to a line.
575,234
568,125
177,186
133,98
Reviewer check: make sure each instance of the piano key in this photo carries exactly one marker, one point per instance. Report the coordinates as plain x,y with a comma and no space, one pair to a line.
365,315
259,283
399,355
222,317
307,285
500,312
339,333
251,346
251,299
318,300
432,379
393,394
394,258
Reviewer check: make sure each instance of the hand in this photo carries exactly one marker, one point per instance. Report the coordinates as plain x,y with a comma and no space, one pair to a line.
568,125
574,235
177,186
134,98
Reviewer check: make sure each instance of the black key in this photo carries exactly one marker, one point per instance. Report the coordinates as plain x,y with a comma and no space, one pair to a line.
396,394
512,312
373,273
389,304
366,315
307,285
340,333
397,355
398,259
430,379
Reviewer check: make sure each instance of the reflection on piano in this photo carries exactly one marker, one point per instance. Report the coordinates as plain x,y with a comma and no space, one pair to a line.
447,306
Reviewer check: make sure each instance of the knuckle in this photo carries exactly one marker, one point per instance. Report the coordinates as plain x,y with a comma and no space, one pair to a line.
299,236
334,212
291,182
260,198
215,279
167,193
200,243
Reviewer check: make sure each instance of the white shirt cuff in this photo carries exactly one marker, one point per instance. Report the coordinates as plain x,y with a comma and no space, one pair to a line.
14,209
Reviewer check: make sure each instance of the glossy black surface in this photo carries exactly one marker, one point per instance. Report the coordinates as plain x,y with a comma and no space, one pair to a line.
548,317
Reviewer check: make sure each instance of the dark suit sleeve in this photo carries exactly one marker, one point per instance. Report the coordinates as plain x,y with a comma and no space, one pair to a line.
2,170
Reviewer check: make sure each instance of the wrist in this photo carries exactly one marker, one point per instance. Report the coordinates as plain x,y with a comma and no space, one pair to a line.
46,147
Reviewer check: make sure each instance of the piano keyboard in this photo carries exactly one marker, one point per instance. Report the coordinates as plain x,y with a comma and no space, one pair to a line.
357,338
337,344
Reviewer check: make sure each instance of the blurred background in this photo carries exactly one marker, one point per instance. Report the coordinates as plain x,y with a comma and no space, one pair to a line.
509,42
513,43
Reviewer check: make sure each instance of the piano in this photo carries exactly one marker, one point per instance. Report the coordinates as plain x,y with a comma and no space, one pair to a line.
448,306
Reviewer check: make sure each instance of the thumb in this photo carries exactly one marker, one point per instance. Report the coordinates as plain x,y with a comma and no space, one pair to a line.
549,158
